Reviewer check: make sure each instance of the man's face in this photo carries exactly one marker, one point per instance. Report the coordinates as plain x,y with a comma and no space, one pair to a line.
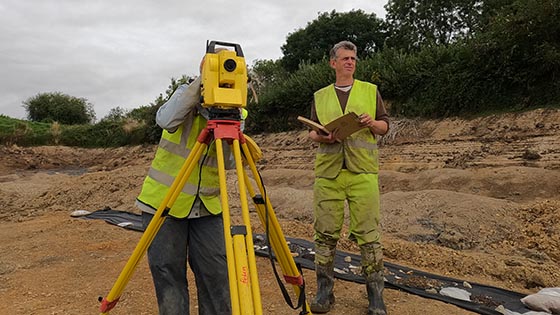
345,62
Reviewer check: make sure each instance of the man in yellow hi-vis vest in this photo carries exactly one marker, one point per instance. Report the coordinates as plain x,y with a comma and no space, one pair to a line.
193,230
347,170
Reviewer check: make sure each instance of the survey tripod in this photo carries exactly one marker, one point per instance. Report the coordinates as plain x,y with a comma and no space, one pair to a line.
223,126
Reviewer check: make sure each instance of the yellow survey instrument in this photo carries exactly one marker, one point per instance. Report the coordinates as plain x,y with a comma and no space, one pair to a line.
224,77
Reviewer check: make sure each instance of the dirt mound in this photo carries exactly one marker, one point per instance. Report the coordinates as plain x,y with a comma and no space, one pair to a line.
477,199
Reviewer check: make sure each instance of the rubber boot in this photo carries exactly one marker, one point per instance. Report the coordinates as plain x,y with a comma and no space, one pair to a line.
372,270
325,283
375,285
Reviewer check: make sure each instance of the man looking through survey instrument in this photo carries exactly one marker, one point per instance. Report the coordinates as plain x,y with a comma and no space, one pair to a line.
193,230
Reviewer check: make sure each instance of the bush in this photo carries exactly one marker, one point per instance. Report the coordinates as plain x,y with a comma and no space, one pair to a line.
103,134
281,103
66,109
24,133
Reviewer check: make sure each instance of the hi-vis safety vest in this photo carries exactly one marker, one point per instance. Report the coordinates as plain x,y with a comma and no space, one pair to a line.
359,151
171,154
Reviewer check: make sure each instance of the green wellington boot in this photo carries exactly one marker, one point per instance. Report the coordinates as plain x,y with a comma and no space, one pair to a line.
374,285
325,283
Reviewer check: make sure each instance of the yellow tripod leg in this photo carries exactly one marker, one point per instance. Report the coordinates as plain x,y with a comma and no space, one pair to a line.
242,270
151,230
277,239
233,289
250,249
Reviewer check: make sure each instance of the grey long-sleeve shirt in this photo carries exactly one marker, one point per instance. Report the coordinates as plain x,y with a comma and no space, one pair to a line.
180,105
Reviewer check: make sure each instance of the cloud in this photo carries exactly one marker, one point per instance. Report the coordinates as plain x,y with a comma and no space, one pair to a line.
124,53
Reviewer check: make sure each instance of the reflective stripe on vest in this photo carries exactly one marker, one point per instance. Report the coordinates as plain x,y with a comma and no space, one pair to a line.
171,154
359,151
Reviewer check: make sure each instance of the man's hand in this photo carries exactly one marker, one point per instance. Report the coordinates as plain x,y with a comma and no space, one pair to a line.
377,127
366,120
322,138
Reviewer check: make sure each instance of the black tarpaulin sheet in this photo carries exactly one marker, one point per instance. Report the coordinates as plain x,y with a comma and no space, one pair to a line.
483,299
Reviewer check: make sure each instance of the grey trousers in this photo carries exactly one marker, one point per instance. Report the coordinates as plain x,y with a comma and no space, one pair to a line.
199,241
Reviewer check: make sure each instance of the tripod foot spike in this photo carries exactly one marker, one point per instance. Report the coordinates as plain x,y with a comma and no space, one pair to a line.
106,306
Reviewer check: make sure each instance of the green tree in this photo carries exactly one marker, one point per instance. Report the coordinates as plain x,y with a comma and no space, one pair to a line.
266,72
312,43
56,106
418,23
115,114
520,51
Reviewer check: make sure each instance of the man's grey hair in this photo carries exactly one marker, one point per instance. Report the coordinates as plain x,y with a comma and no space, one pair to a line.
343,44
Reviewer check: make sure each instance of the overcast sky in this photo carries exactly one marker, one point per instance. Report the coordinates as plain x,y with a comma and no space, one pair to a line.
124,53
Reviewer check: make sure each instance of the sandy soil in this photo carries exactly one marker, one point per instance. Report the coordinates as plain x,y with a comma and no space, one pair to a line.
476,199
